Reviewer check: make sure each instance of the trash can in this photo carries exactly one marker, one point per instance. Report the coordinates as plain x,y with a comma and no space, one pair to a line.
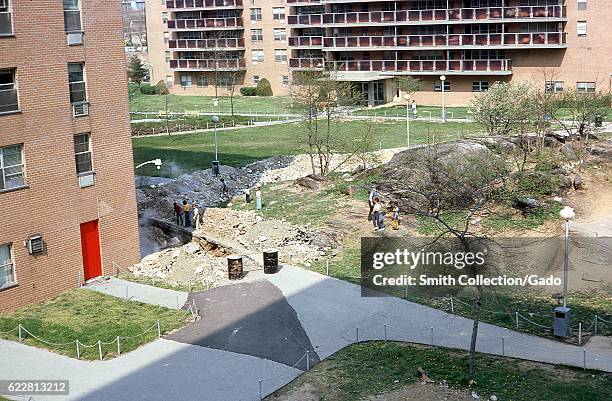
235,268
215,167
562,326
270,260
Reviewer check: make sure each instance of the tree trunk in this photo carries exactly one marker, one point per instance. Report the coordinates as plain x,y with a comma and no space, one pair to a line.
472,357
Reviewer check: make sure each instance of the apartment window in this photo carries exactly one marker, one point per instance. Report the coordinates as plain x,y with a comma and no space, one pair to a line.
76,79
6,23
8,92
255,14
166,37
201,80
167,53
585,87
72,16
186,81
581,28
554,86
257,56
256,35
582,5
280,34
285,79
278,13
438,86
280,55
12,173
478,86
165,16
227,82
255,79
7,267
82,154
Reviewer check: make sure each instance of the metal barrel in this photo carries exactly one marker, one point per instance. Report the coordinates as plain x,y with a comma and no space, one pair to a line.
235,268
270,259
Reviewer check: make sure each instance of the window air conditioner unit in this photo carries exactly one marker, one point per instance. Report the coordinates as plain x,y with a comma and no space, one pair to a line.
35,245
86,180
75,38
80,109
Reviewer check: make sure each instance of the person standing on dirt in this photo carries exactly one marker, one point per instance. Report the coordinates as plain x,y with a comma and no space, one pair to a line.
247,195
379,217
258,198
373,194
196,216
187,213
178,212
224,188
395,218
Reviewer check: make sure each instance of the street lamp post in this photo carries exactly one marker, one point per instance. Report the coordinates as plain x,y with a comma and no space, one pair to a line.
442,79
407,97
567,214
215,163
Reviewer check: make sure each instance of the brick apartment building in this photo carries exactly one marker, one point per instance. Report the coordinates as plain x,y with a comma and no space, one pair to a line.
67,197
473,43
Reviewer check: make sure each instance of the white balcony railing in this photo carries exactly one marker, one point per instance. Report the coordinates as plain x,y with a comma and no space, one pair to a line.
423,66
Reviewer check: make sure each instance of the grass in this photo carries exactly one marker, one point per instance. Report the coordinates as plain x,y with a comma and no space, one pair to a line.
90,316
422,111
191,152
367,369
242,104
183,124
161,284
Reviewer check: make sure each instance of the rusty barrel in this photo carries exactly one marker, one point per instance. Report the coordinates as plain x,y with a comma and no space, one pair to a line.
270,260
235,268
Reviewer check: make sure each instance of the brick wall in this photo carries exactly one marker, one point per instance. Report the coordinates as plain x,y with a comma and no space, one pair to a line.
53,205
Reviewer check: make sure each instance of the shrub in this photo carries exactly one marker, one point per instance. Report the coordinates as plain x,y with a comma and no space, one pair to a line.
161,88
147,89
264,88
248,91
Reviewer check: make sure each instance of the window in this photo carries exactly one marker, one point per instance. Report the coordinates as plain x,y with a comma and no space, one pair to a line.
76,79
165,16
582,5
255,79
438,86
166,37
82,153
257,56
585,86
227,82
478,86
280,55
285,79
280,34
278,13
167,54
8,92
554,86
201,80
7,270
255,14
12,173
186,81
6,23
72,16
581,28
256,35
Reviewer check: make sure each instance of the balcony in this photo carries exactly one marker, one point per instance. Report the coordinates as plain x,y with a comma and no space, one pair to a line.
426,67
413,17
310,63
205,23
6,24
537,39
305,19
208,65
203,4
304,2
306,41
205,44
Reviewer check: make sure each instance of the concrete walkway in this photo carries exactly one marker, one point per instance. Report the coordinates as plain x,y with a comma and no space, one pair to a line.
140,292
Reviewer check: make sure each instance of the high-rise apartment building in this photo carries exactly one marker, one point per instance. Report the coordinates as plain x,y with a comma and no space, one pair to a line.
67,196
472,43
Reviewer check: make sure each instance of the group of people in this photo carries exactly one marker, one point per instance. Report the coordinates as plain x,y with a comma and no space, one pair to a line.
248,199
378,211
183,214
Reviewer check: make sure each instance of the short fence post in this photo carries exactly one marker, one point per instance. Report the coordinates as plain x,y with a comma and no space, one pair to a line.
406,296
178,303
100,348
385,332
327,267
432,336
118,346
356,334
158,329
516,314
126,292
579,333
584,358
595,325
503,346
260,390
20,334
307,360
452,304
78,349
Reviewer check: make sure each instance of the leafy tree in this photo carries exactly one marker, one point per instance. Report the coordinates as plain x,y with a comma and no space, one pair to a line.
136,70
409,84
503,109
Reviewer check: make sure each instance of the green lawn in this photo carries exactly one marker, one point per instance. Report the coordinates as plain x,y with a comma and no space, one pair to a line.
422,111
204,104
90,316
368,369
192,152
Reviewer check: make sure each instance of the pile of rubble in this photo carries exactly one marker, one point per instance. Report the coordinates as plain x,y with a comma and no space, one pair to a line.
191,264
246,232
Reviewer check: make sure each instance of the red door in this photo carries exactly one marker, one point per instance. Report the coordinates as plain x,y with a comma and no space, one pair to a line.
90,246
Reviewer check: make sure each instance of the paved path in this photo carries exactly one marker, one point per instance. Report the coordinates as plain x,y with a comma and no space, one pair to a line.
140,292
